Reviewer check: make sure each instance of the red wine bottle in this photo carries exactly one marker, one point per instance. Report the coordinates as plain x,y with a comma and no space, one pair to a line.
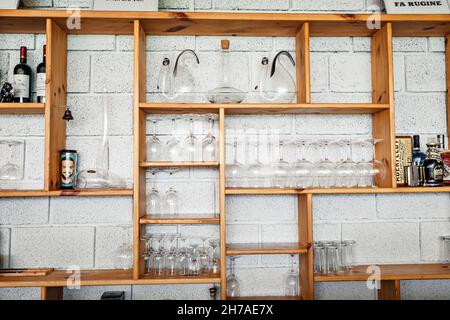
40,79
22,78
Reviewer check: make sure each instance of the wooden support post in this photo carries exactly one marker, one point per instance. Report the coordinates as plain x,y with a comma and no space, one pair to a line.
140,123
52,293
447,73
390,290
383,92
303,64
55,91
223,220
305,235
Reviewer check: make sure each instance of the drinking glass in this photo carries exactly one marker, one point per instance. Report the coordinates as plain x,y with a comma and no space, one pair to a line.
332,259
325,168
346,174
349,247
281,169
171,201
154,197
254,170
191,142
232,280
234,170
10,172
173,146
302,168
445,250
292,279
209,144
183,257
194,257
320,257
155,148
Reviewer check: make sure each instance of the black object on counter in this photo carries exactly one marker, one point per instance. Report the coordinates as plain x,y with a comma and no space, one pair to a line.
113,295
6,93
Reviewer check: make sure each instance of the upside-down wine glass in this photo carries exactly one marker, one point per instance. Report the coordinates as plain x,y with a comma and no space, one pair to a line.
209,143
232,280
173,146
234,170
155,147
281,168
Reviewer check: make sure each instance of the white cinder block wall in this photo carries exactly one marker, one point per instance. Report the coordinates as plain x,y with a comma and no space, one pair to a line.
87,232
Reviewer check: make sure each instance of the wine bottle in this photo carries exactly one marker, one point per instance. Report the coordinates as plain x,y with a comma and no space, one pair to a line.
40,78
22,78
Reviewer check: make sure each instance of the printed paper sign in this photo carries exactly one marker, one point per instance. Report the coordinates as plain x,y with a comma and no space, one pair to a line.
9,4
417,7
126,5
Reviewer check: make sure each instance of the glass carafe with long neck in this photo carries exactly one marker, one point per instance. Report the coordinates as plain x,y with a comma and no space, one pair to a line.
226,92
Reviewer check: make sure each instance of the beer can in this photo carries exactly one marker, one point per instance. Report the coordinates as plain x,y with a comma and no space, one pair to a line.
69,163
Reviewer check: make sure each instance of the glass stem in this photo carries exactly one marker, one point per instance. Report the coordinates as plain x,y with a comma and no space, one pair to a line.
257,148
211,127
235,150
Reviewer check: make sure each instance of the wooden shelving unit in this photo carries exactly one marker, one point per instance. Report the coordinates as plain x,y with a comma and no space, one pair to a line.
300,26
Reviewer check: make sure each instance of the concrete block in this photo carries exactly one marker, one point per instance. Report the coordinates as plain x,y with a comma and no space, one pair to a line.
350,72
94,293
344,207
336,124
252,44
4,247
91,210
424,72
414,206
279,233
319,73
425,290
330,44
328,5
327,231
242,233
15,41
78,72
175,292
91,42
20,294
272,5
383,242
430,242
343,291
108,240
407,44
21,125
436,44
57,247
18,211
112,72
34,159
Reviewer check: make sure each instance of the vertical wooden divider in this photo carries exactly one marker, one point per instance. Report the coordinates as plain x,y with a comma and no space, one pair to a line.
303,64
222,204
305,237
52,293
305,216
447,77
55,91
139,198
383,122
390,290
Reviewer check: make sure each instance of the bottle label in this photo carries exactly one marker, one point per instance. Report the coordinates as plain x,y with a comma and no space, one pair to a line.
438,173
22,86
40,84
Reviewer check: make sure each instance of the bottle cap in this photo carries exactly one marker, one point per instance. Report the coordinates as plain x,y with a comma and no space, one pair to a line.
23,52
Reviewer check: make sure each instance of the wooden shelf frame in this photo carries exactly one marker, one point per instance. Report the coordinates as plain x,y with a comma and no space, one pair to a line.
141,24
237,249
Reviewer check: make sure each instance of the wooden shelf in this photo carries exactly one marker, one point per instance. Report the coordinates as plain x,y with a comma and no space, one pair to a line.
237,249
179,219
186,164
100,278
393,272
275,191
65,193
22,108
264,108
223,23
262,298
212,278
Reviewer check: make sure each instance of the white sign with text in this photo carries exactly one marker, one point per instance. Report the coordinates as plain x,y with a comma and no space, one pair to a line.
126,5
417,7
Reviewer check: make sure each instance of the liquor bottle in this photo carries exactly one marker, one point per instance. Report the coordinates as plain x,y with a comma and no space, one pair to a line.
418,156
40,78
22,78
434,169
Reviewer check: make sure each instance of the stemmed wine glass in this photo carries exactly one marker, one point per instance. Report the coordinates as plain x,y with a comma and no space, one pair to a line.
255,169
171,196
346,173
281,168
154,197
155,147
215,259
292,279
325,168
234,170
302,167
191,142
173,147
10,172
209,143
232,280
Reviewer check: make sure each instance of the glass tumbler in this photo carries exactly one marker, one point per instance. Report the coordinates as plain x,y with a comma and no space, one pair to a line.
348,256
445,250
320,254
332,259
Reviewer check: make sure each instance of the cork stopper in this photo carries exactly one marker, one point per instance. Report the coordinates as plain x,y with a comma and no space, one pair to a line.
225,44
